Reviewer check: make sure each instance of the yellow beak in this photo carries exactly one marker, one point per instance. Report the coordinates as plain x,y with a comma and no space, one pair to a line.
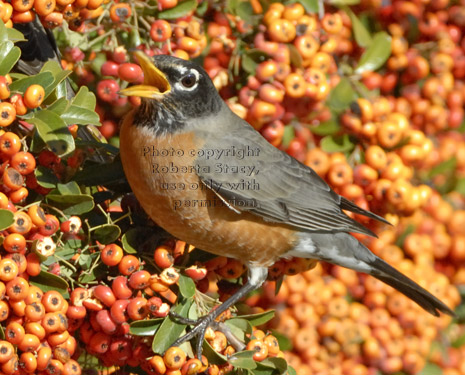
155,82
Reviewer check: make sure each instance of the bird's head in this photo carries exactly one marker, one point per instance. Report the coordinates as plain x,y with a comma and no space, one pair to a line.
174,92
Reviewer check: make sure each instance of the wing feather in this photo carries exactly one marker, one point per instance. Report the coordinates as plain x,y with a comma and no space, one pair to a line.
275,186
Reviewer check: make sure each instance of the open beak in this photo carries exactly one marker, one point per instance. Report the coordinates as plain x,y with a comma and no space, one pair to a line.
155,82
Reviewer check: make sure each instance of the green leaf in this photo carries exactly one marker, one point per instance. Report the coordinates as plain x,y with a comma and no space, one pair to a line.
180,10
97,273
129,241
326,128
85,99
53,131
460,309
44,79
251,59
170,330
431,369
244,11
376,55
212,355
460,186
259,319
288,136
81,116
363,91
243,360
446,167
146,327
74,38
85,261
193,312
311,6
404,234
59,74
3,32
295,56
69,188
343,2
15,35
59,106
202,9
96,175
362,36
45,177
106,233
9,55
341,96
285,343
291,370
413,30
186,286
97,62
459,342
341,143
231,6
70,248
6,219
72,204
239,327
133,238
277,365
48,281
278,284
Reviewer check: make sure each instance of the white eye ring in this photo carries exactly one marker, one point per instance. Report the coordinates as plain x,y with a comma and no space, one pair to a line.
189,81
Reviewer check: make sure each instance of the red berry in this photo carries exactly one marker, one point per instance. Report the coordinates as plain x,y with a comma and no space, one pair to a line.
107,90
109,68
75,54
130,72
120,55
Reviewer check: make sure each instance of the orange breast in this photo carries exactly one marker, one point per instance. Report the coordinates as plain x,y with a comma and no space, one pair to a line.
174,197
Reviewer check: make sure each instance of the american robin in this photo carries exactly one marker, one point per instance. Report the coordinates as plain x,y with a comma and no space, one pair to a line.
209,178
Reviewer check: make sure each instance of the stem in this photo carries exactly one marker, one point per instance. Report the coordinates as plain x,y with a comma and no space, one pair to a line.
101,37
29,205
144,23
61,213
66,262
127,214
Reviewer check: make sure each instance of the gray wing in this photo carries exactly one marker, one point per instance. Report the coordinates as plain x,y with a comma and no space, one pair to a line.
273,185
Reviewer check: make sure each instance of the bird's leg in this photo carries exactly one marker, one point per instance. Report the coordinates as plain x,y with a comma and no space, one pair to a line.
182,319
257,275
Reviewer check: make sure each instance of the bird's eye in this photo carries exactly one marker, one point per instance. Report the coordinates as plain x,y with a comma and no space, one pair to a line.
189,81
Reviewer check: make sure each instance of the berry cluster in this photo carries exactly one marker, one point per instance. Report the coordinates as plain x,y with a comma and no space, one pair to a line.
378,114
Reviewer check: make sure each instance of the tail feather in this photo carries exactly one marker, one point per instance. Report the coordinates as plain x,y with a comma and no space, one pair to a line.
352,207
392,277
346,251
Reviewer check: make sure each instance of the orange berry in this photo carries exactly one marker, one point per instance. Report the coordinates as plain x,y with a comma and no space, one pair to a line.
295,85
29,343
23,162
259,348
7,114
34,94
307,46
120,12
174,358
282,30
332,23
389,134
